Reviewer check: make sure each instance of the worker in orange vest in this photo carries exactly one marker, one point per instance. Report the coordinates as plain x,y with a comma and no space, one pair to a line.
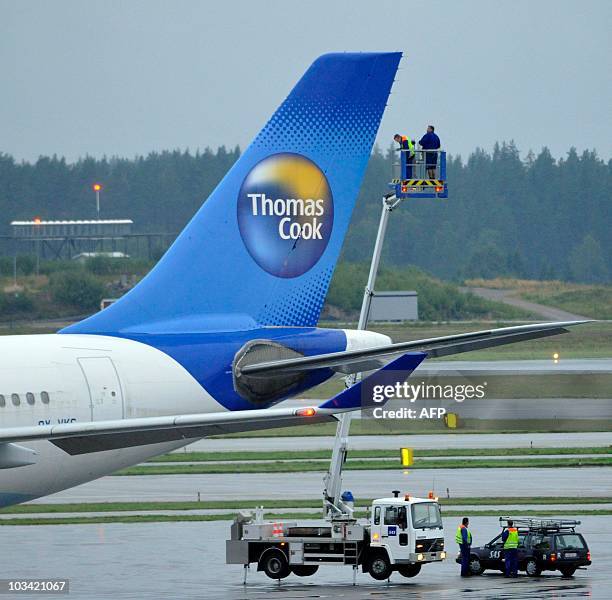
406,145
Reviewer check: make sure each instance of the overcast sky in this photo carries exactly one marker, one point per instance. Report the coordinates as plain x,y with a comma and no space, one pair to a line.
127,77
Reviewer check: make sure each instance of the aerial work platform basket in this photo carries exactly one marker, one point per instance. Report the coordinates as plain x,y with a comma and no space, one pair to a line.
420,174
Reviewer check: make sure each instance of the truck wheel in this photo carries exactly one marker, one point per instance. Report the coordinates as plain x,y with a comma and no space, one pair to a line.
532,569
409,570
475,566
379,566
274,564
568,571
305,570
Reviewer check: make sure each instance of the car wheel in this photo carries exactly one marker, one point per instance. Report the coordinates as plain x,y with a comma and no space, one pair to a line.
475,565
409,570
568,571
274,564
532,569
305,570
379,566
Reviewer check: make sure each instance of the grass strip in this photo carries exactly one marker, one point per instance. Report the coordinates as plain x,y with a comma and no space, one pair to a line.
417,426
289,503
361,465
285,516
178,457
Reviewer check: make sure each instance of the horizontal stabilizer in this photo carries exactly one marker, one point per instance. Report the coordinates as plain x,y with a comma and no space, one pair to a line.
360,395
354,361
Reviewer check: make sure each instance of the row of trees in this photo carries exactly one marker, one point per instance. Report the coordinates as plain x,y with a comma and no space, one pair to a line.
160,192
539,217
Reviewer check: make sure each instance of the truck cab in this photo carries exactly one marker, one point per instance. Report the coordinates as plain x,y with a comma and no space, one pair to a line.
405,533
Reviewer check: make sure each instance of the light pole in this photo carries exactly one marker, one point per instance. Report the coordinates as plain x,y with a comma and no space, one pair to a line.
37,222
97,188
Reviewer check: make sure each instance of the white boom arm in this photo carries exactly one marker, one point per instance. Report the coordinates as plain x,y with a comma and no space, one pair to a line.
333,505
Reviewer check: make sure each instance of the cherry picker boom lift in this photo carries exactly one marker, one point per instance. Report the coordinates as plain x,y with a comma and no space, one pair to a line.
402,533
402,189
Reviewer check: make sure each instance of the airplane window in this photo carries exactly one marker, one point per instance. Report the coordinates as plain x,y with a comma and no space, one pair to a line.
44,397
30,398
15,399
2,400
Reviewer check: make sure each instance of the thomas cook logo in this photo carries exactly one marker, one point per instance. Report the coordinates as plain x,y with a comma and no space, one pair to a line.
285,214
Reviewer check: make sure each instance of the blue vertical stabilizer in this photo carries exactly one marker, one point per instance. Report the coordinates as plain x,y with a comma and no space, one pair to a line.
262,249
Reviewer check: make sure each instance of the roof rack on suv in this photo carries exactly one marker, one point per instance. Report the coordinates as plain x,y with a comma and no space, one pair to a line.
540,524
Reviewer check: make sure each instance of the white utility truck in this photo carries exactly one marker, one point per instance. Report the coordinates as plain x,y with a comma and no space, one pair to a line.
401,534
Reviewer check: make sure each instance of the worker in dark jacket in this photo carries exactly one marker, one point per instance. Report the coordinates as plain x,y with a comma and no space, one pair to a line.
510,538
406,145
430,141
464,538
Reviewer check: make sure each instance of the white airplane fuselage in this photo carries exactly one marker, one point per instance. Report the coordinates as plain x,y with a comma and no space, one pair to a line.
55,379
51,379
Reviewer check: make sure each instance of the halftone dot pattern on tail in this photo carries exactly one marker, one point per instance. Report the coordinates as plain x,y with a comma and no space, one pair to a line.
301,309
314,125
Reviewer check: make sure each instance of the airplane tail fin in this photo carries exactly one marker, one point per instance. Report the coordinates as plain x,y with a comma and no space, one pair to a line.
262,249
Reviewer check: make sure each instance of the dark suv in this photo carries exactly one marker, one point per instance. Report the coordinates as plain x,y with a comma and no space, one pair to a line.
544,545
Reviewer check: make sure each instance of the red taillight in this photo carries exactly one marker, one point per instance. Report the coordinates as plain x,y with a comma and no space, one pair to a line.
589,555
553,557
306,412
439,189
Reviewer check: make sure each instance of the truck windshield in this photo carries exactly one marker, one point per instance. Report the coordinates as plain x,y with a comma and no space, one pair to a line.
426,515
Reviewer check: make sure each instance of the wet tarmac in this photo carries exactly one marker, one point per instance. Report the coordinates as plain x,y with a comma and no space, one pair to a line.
186,560
502,408
519,367
505,509
562,481
575,409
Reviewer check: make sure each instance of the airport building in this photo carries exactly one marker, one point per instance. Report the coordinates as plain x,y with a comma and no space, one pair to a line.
67,239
